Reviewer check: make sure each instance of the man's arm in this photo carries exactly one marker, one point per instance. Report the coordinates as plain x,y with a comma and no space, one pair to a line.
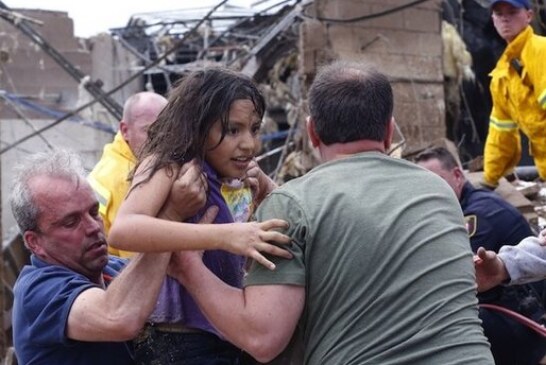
259,319
495,222
119,312
502,146
525,262
136,227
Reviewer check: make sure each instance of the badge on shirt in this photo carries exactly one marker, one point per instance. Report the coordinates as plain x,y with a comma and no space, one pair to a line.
471,224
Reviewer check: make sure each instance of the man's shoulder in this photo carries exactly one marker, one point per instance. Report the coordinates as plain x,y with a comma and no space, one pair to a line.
340,168
47,276
112,164
115,155
484,199
538,43
47,288
358,167
485,205
534,50
110,175
495,214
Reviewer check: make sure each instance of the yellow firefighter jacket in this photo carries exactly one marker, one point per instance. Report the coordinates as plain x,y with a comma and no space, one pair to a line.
109,181
518,89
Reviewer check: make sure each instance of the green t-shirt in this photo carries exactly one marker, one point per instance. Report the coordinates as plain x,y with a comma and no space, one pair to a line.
380,246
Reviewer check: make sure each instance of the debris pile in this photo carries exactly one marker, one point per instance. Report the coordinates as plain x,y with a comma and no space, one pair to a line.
263,45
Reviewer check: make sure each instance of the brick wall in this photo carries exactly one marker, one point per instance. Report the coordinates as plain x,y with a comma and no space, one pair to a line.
31,72
405,45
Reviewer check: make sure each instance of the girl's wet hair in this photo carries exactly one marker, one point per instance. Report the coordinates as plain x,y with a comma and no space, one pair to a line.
199,100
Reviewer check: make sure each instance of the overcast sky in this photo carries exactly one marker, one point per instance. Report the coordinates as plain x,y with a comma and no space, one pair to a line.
92,17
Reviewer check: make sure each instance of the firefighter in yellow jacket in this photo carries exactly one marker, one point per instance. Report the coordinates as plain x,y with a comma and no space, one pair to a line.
109,176
518,89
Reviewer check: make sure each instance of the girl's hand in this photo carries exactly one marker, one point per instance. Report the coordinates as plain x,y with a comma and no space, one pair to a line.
260,184
253,238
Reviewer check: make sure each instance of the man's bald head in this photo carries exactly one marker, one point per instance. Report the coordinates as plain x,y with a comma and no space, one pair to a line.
139,112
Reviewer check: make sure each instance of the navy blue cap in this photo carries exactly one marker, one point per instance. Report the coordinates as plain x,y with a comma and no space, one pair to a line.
516,3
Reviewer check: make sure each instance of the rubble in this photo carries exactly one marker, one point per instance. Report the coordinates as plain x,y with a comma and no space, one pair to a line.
280,47
529,189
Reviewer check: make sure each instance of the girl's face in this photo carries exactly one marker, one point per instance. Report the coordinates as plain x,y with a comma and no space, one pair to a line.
232,157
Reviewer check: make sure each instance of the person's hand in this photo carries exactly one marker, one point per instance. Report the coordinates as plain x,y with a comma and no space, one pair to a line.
490,270
188,193
260,184
183,262
253,238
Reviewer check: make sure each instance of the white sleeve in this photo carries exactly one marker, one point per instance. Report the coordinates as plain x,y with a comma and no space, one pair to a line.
525,262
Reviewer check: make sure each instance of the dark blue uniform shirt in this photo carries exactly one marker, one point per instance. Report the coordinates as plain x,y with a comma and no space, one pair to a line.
491,223
44,294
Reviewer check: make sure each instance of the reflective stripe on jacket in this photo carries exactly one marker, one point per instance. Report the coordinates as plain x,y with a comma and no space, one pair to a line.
518,89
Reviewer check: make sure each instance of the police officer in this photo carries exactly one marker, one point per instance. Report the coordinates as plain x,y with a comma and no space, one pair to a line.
491,223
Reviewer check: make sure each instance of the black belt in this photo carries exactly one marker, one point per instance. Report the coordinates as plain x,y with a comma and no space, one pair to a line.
173,328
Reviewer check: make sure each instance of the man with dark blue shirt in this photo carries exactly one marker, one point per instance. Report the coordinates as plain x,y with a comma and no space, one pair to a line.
491,223
68,309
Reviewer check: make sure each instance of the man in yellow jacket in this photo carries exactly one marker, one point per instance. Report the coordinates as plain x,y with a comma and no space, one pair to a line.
109,176
518,89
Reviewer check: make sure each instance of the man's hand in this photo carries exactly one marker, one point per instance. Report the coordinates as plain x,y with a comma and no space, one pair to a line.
188,193
490,270
182,262
260,184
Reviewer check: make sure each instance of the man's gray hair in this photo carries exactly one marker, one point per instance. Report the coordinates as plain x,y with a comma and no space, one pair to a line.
58,163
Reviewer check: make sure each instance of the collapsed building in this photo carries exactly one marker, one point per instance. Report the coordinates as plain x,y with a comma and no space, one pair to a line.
58,90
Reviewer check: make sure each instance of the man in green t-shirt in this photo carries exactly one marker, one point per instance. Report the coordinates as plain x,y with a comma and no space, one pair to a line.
382,270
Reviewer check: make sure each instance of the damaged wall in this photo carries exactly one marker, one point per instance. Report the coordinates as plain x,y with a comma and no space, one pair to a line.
112,64
406,45
30,72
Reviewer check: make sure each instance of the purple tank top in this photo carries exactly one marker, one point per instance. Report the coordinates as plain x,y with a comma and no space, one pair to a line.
174,304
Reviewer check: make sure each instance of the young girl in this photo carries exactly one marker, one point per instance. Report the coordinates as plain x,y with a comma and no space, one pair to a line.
213,117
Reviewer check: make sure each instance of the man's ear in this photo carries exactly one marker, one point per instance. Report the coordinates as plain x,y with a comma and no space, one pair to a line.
530,15
389,134
460,180
313,137
32,241
458,172
459,175
124,129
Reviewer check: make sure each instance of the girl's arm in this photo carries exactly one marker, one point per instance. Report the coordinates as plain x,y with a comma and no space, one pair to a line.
136,227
